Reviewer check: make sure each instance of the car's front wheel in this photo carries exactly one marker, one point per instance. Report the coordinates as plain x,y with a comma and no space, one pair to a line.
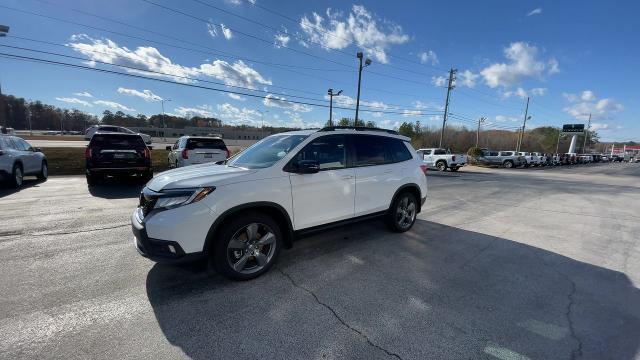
403,212
44,171
247,246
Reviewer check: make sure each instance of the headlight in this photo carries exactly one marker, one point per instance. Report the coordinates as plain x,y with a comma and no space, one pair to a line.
170,199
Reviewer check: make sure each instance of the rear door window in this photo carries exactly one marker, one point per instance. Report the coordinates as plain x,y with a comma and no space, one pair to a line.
399,150
372,150
117,142
195,143
440,152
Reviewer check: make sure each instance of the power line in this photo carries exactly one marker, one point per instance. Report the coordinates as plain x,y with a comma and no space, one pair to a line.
284,67
51,62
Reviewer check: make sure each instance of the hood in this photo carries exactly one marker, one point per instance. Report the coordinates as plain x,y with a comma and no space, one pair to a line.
197,176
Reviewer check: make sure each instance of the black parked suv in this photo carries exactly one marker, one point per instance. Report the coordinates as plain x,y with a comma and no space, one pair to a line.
117,155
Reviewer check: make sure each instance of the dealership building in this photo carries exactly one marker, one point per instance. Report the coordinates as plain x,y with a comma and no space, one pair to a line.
225,133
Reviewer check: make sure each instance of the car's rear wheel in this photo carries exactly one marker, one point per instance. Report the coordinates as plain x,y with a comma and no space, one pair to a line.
403,212
441,166
247,246
17,176
508,164
44,171
92,180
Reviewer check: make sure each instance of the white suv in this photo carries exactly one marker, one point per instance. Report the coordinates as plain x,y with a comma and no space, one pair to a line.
192,150
241,214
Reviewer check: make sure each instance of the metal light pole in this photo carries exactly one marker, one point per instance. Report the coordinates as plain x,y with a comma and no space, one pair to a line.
331,95
586,134
367,62
164,125
558,143
524,123
262,120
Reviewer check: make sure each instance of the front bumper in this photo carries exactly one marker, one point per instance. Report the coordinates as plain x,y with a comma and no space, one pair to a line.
158,250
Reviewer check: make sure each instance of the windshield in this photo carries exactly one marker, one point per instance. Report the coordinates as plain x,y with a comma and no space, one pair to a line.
267,152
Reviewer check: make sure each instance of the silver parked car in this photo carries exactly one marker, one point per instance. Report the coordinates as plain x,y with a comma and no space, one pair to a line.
19,159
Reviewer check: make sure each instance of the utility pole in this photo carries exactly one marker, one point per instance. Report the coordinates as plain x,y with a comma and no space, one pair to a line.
331,95
450,86
480,121
62,116
164,124
29,120
586,134
366,63
524,123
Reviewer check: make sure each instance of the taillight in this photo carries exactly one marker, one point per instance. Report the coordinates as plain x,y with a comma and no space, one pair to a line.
228,153
185,154
453,158
423,168
87,152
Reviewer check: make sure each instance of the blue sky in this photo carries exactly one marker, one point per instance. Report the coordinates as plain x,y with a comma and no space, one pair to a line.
571,57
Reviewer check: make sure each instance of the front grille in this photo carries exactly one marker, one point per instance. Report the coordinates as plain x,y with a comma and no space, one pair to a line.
147,202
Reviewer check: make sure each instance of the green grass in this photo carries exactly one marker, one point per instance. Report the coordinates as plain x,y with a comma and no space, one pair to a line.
70,161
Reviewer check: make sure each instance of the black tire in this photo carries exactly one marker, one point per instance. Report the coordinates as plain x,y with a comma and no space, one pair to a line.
508,164
92,180
441,165
17,176
222,254
396,218
44,171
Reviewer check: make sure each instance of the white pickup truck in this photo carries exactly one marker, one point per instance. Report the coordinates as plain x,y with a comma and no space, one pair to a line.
442,159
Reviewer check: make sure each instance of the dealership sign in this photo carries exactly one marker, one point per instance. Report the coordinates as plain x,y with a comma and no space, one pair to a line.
573,128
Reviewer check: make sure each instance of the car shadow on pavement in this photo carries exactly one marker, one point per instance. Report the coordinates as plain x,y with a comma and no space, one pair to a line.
6,190
433,292
117,188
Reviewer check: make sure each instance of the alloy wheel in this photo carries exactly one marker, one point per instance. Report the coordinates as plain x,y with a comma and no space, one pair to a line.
18,176
251,248
405,212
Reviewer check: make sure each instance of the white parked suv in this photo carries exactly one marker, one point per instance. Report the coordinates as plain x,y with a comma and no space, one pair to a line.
242,213
191,150
113,129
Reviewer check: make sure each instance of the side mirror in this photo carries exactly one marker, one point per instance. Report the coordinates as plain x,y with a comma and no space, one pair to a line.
307,167
168,148
37,149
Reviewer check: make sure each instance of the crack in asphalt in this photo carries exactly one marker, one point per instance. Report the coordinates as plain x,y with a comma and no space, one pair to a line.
335,314
577,352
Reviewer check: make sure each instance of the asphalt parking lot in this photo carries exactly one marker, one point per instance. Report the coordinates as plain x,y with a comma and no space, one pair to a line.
501,264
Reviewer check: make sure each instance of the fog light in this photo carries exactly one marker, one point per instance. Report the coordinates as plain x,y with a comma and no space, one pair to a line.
172,249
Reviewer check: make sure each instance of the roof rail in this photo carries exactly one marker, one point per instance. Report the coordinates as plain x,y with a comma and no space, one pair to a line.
358,128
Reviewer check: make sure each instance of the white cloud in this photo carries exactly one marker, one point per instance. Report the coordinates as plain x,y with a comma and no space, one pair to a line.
235,115
409,113
523,63
439,81
114,105
522,93
202,111
236,97
360,27
146,95
505,118
467,78
428,57
150,59
212,29
587,95
554,67
84,94
238,74
226,32
239,2
537,11
587,103
599,126
274,101
77,101
282,38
